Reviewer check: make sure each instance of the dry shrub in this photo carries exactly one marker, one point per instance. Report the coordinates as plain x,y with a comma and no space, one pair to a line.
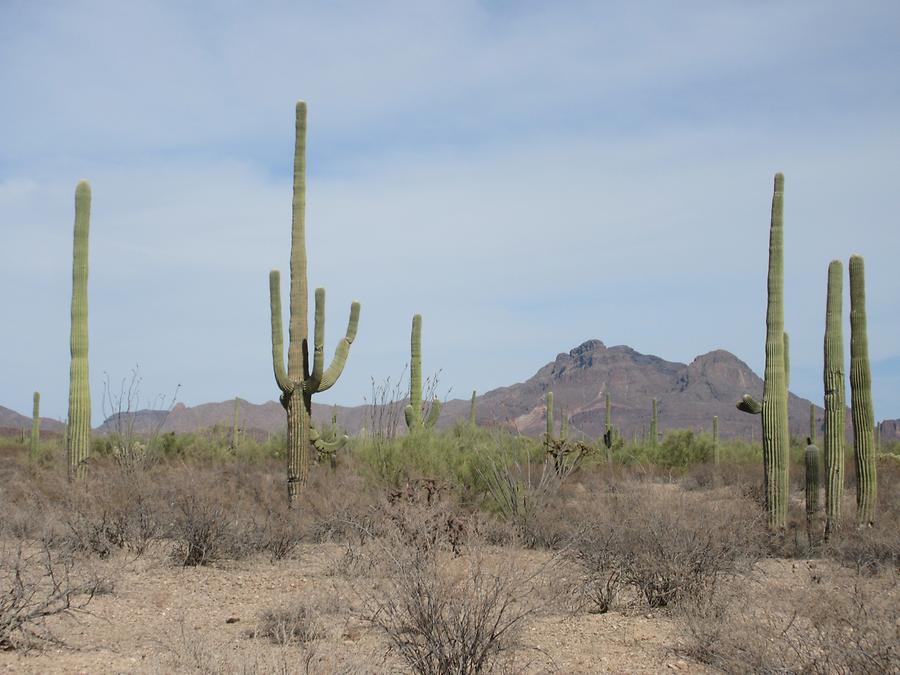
445,616
293,624
837,625
36,584
664,544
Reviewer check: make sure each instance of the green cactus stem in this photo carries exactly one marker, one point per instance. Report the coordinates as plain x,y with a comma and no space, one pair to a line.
834,398
654,424
78,432
549,436
472,410
749,405
787,361
715,436
300,381
413,412
36,425
861,397
812,424
234,425
811,458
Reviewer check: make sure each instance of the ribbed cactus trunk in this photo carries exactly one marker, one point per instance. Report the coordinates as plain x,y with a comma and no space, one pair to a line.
861,397
811,458
78,431
715,435
300,381
812,424
834,398
654,425
472,410
413,412
774,404
36,425
549,416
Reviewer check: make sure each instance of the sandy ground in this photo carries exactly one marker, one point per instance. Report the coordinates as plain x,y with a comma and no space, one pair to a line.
160,618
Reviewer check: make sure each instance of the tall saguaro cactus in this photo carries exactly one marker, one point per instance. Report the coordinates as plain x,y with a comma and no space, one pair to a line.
834,397
300,381
812,424
608,433
413,412
861,397
36,425
78,434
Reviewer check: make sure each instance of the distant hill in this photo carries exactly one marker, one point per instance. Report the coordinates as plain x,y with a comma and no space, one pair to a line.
12,422
688,396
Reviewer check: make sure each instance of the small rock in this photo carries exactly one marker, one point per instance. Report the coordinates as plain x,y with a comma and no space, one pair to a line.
232,619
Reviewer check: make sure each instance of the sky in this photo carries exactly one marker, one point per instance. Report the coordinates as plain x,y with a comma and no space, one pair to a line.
525,175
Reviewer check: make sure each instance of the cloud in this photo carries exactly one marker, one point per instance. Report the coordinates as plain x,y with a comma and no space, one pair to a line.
525,177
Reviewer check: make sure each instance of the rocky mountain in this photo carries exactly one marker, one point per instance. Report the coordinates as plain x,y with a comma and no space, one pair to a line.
12,422
688,396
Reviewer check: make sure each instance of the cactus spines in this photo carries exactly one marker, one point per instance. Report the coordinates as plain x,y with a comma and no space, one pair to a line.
299,382
787,361
715,436
834,397
413,412
811,458
549,416
749,405
472,410
78,432
774,403
861,397
36,425
654,425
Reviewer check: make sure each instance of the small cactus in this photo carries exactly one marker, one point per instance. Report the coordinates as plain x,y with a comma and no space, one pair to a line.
36,425
861,396
413,412
78,430
609,433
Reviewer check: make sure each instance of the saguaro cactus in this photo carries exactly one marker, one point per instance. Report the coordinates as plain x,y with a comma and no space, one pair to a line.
608,434
834,398
774,406
861,397
812,424
811,458
549,416
300,382
78,433
413,412
36,425
472,410
654,425
715,435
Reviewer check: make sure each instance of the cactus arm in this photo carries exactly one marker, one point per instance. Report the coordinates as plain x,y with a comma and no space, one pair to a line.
281,377
339,360
433,413
409,414
315,377
749,405
326,446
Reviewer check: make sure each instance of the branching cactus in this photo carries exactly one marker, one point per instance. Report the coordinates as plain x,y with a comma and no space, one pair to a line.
861,397
301,379
413,412
715,435
78,431
36,425
774,406
834,398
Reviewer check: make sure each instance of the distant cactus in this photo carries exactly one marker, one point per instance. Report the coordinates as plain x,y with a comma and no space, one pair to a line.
609,433
861,396
654,425
299,382
715,436
834,398
36,425
472,410
811,458
774,406
234,425
78,432
413,412
549,436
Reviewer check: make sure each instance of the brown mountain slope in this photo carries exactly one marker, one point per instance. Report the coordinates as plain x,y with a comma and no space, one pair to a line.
10,419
